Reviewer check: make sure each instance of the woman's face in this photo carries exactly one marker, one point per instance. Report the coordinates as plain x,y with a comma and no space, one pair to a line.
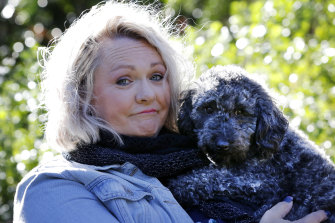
131,91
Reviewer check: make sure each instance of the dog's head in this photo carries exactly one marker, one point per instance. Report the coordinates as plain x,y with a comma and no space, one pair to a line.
232,116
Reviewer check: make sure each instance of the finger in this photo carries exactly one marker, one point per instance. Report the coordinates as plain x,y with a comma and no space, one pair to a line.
314,217
279,211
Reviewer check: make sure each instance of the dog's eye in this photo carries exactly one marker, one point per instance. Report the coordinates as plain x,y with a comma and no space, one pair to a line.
237,112
209,107
209,110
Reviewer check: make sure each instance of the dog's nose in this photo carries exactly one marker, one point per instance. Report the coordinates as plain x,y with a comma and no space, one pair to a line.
222,144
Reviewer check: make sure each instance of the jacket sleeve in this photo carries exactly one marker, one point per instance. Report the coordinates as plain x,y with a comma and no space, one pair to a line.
50,198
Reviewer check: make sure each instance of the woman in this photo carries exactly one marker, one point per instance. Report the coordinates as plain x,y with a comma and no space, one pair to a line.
111,86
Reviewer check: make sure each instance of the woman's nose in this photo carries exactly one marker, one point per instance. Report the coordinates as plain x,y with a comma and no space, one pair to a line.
145,93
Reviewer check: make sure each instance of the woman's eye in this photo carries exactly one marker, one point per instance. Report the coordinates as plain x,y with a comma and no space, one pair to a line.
157,77
123,82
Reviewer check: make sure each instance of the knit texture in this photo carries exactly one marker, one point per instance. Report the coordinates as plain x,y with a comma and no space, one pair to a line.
165,157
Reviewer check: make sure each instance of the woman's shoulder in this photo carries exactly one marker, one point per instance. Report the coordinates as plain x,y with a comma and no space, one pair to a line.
60,175
58,168
50,176
55,168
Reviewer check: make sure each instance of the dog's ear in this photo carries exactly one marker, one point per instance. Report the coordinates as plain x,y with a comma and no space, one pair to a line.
185,123
271,126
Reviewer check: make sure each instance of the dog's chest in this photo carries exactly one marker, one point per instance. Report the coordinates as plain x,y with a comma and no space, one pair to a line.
253,179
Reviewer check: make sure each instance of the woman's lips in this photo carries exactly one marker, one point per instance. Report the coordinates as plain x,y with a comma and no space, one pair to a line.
148,111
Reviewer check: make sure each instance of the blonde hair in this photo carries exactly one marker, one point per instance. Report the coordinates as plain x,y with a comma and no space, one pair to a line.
69,66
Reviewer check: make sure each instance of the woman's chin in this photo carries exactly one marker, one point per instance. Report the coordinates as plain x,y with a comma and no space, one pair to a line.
147,131
140,128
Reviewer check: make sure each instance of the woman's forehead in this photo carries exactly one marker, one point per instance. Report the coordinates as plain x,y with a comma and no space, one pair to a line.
127,49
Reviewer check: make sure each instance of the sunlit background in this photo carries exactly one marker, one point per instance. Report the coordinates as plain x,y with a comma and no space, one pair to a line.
288,44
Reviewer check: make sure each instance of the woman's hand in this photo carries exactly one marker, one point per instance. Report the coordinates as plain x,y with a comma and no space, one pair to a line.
280,210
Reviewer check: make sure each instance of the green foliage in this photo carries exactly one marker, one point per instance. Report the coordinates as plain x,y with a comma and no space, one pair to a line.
20,127
290,44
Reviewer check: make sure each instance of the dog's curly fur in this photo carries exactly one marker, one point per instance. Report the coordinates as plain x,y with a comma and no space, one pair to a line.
258,158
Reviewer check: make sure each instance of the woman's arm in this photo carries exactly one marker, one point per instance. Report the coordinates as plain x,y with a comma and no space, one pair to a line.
280,210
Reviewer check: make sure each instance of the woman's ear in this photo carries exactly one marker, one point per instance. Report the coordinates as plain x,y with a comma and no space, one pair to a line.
270,128
185,123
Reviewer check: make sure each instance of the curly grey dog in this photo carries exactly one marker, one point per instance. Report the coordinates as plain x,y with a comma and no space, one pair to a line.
259,159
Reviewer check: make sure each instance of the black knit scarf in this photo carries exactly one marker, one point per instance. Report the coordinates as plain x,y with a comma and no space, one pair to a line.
164,156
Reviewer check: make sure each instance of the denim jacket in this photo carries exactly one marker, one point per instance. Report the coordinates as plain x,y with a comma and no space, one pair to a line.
63,191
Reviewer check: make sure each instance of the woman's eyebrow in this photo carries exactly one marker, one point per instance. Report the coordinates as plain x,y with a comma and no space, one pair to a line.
122,67
131,67
157,63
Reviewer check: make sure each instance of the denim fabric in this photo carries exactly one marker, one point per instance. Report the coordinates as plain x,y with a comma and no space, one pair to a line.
63,191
